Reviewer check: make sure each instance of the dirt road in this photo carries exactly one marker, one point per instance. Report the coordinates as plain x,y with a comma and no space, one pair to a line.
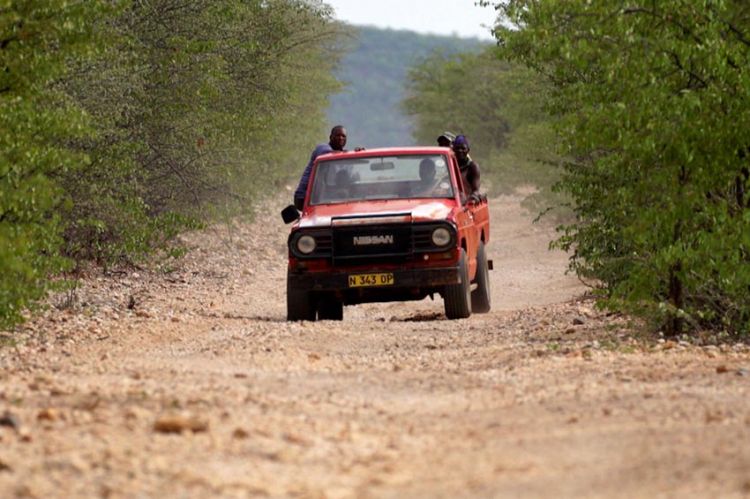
187,382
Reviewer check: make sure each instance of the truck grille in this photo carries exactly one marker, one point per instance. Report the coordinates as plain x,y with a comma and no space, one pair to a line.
367,242
382,243
372,243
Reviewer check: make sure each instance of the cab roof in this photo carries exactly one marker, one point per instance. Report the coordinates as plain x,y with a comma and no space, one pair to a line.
386,151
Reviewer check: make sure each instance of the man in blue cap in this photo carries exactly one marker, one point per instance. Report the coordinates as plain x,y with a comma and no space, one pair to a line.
469,168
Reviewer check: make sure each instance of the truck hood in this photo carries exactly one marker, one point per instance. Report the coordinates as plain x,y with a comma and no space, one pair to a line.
412,210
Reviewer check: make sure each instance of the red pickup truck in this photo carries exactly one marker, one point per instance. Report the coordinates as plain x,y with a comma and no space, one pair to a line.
381,225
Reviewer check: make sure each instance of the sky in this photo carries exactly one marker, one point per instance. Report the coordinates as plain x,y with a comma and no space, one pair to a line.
438,17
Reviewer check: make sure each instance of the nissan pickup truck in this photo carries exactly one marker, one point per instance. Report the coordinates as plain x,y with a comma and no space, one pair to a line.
384,225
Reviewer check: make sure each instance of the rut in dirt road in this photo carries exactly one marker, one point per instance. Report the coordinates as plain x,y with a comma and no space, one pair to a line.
203,389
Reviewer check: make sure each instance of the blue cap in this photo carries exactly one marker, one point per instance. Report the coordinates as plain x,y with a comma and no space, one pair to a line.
461,140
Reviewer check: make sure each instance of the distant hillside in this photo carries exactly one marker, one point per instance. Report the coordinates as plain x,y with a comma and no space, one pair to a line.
374,70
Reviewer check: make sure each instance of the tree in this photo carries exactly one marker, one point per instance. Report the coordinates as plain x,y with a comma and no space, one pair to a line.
36,40
498,105
652,101
124,123
374,67
194,101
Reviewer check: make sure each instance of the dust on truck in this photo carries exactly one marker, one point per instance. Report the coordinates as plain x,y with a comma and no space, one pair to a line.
383,225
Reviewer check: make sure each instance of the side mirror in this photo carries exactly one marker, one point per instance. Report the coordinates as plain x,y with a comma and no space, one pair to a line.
290,214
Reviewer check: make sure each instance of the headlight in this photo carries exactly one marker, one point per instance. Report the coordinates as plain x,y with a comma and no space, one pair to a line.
441,236
306,244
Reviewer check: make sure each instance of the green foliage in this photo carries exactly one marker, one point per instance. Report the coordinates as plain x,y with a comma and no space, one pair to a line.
194,101
124,123
36,39
498,106
375,69
652,100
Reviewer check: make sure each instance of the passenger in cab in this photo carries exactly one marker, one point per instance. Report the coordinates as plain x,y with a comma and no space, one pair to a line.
426,178
342,181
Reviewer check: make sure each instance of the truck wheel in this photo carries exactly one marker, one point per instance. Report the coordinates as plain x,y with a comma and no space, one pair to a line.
299,303
330,309
481,299
457,297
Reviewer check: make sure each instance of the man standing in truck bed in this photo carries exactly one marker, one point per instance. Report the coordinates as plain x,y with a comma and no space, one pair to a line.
469,169
336,142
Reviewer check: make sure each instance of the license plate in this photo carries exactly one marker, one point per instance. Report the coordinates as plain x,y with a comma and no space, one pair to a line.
364,280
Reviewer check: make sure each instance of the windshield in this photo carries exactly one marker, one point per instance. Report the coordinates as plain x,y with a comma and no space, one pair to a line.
384,177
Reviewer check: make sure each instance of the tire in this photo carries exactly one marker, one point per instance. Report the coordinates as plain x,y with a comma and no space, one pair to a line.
330,309
481,298
457,297
300,305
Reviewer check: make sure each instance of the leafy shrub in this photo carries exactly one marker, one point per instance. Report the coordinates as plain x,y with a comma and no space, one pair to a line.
652,100
499,106
36,39
125,123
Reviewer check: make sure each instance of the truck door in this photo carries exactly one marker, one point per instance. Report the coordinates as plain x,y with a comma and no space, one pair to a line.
465,218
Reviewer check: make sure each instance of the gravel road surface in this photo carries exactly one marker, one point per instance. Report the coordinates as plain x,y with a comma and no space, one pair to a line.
186,381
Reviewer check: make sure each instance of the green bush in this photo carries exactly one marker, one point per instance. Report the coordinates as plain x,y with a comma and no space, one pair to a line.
36,40
652,100
124,123
499,106
194,101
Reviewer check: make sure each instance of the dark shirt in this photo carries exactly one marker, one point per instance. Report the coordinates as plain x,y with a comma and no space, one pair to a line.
299,194
470,175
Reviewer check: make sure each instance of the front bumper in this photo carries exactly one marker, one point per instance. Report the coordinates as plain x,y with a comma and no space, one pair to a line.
420,278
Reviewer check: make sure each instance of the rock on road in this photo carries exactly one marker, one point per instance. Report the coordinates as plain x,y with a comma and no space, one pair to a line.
188,382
